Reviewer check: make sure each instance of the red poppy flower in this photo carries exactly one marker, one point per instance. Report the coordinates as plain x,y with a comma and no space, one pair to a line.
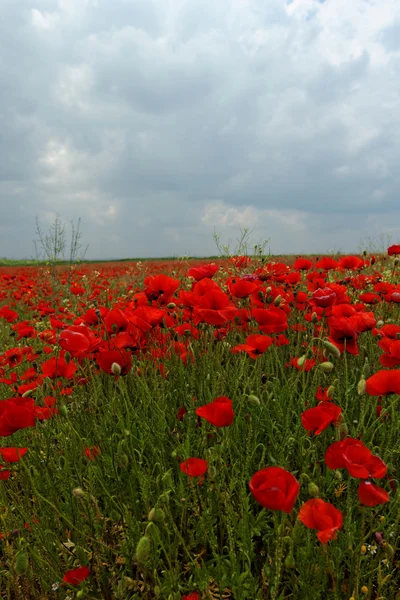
219,412
303,264
181,413
106,358
275,488
203,271
242,288
271,320
192,596
160,287
214,308
322,394
393,250
383,382
306,366
73,341
92,453
58,367
372,495
320,417
351,262
194,467
76,576
115,321
15,414
4,473
322,516
343,334
255,345
391,358
324,297
327,263
12,455
352,455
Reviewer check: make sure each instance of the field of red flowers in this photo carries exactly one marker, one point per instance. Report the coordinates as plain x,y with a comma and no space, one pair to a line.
190,431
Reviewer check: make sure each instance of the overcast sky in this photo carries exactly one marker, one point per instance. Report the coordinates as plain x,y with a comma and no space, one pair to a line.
160,121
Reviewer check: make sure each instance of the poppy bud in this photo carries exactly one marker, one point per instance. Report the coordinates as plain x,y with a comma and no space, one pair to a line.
157,515
301,360
331,349
67,357
143,549
379,323
78,492
27,393
314,318
326,367
116,369
278,300
63,411
171,305
361,387
269,299
80,594
21,563
254,400
290,563
212,471
123,461
330,391
264,378
313,489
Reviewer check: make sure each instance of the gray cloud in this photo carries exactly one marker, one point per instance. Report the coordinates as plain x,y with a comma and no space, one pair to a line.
157,122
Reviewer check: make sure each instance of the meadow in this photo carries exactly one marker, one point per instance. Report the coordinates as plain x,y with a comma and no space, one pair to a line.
193,430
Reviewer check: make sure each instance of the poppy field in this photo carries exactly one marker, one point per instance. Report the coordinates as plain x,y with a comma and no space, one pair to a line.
192,430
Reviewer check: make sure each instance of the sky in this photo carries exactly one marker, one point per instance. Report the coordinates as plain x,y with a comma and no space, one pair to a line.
162,122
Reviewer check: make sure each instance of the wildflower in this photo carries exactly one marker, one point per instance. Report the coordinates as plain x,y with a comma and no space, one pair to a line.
194,467
219,412
76,576
322,516
370,494
275,488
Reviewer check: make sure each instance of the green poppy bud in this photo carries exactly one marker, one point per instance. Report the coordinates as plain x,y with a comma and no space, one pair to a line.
143,549
326,367
21,563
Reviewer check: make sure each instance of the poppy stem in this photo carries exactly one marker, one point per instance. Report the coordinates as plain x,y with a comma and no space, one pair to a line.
279,527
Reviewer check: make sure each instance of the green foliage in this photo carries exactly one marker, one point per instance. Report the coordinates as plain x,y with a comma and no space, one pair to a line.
149,531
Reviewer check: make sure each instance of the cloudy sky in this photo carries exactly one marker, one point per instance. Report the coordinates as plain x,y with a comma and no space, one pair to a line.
159,122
